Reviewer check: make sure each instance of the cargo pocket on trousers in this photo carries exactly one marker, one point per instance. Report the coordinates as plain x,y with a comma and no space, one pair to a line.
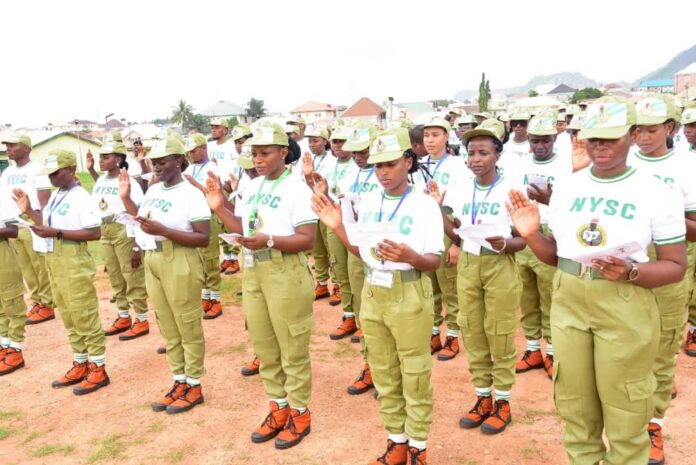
298,345
567,405
504,337
416,374
192,326
671,327
640,393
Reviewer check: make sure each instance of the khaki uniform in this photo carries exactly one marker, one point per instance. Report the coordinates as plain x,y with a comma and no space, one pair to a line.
339,263
128,283
444,281
320,252
12,310
536,279
278,293
210,256
33,268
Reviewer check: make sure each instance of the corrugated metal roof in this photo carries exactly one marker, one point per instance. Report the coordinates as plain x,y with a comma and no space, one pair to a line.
364,107
224,108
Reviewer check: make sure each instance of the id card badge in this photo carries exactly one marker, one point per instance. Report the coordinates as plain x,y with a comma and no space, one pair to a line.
248,258
382,278
49,244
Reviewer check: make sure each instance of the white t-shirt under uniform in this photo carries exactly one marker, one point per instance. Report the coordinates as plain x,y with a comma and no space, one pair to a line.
26,179
176,207
107,199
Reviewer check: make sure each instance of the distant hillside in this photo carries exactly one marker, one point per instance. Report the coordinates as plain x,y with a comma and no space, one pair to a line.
575,80
676,64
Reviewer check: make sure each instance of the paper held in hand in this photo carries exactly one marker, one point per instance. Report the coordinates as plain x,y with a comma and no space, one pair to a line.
371,234
474,235
621,252
231,238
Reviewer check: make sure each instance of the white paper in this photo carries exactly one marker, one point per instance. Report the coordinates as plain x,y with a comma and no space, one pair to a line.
231,238
126,219
349,207
382,278
621,252
477,234
539,180
41,244
371,234
144,240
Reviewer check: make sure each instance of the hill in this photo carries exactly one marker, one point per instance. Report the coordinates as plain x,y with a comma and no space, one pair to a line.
575,80
676,64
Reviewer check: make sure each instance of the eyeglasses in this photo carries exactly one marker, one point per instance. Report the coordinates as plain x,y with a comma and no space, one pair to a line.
518,123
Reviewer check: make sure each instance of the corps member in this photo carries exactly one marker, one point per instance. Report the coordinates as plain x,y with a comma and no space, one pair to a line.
122,255
279,227
24,175
489,285
604,315
397,298
68,222
688,121
175,213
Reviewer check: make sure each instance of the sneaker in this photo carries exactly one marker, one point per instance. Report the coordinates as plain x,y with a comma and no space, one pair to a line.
396,454
657,454
214,311
335,298
162,350
232,268
531,360
119,325
548,365
449,350
96,379
139,328
177,391
435,344
417,457
355,338
321,291
297,427
74,375
347,328
251,368
41,314
11,361
272,425
477,415
192,397
363,383
690,346
499,418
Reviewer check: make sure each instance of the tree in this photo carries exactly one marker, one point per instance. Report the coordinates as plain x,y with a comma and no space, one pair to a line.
232,122
484,93
441,103
584,94
182,114
200,123
255,108
533,93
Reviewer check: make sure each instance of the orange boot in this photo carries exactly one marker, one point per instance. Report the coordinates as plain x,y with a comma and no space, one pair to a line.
139,328
74,375
355,338
450,349
500,417
531,360
417,457
657,454
41,314
96,379
119,325
192,397
335,298
177,391
548,365
214,311
232,267
346,328
272,425
363,383
690,345
297,427
252,368
435,344
396,454
11,361
477,415
321,291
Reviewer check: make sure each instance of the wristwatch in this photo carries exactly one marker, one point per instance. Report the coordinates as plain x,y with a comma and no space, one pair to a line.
59,235
270,242
633,272
136,249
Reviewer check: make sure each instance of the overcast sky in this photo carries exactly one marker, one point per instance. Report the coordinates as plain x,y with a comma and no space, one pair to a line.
84,59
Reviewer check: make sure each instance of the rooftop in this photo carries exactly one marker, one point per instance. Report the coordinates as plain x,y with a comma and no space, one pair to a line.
364,107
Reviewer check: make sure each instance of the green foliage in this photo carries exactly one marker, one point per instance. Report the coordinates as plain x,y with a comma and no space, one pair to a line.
441,103
200,123
586,93
484,93
255,108
232,122
533,93
182,114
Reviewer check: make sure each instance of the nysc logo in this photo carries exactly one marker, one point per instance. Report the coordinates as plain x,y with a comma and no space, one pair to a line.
592,234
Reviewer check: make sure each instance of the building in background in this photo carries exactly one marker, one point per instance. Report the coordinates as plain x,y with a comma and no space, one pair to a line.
366,109
317,112
225,109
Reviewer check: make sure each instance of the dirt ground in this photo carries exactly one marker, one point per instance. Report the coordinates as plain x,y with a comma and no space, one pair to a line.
41,425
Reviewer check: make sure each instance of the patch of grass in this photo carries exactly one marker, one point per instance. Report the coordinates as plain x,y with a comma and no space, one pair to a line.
345,350
86,181
176,456
156,427
229,288
31,436
50,449
6,432
9,415
110,448
531,452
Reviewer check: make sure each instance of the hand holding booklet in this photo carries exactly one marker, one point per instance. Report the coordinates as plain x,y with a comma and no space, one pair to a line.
231,238
621,252
371,234
476,234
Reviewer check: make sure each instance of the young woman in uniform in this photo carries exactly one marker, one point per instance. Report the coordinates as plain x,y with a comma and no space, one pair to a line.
176,214
489,286
656,117
69,221
688,121
396,314
604,316
278,226
122,254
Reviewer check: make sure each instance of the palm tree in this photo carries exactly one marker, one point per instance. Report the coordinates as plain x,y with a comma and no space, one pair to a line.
182,114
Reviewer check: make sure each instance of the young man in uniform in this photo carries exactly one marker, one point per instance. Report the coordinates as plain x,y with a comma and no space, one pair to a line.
688,121
518,145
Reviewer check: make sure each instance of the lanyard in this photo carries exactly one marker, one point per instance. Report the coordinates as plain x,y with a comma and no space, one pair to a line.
439,162
316,168
343,171
254,207
196,173
474,209
357,182
56,202
401,200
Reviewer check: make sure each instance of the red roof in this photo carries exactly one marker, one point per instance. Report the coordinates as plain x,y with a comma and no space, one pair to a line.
364,107
314,107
